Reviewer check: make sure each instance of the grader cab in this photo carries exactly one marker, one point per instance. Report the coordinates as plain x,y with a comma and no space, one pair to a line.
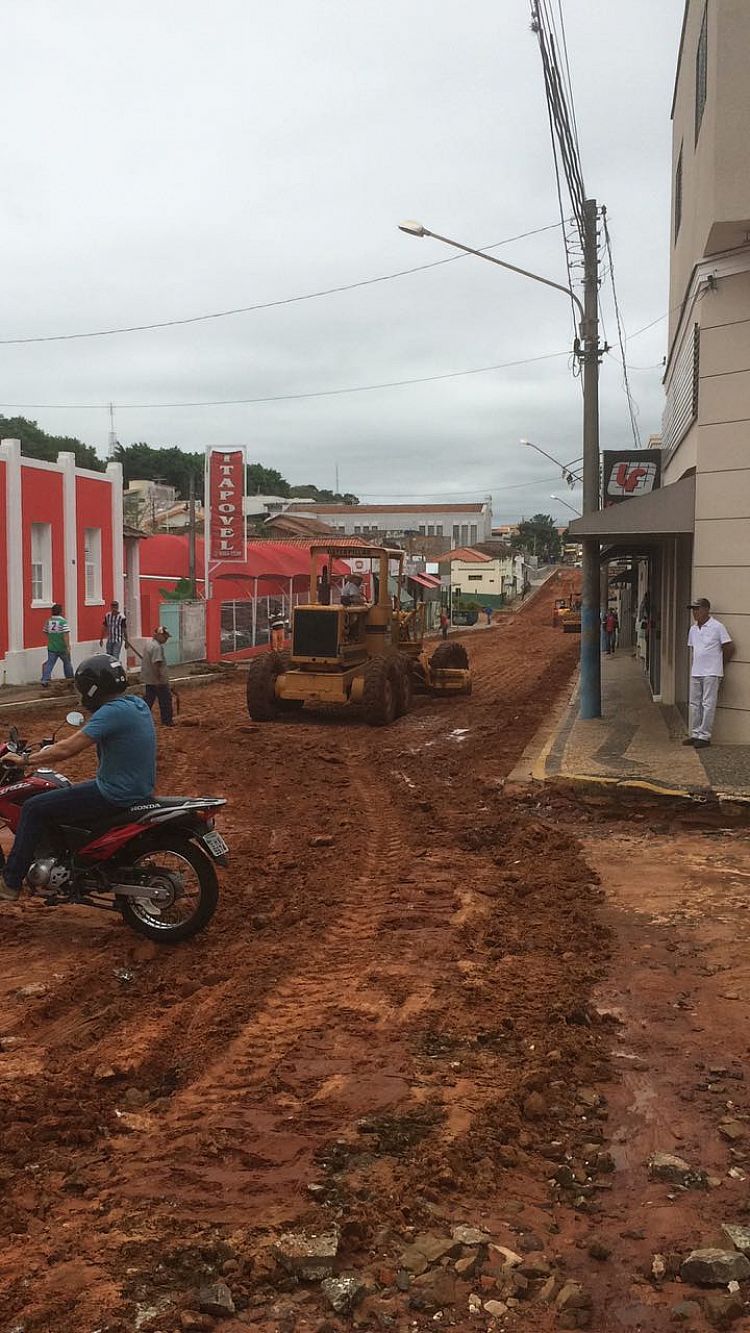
360,649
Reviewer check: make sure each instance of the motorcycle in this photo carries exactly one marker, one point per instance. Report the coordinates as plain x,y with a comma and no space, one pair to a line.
153,861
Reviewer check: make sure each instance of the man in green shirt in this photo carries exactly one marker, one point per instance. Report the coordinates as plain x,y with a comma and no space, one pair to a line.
57,630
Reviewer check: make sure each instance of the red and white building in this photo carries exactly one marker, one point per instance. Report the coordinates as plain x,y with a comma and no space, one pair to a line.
61,540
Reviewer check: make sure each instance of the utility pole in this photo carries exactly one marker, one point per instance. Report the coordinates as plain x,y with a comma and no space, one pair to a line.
591,685
191,532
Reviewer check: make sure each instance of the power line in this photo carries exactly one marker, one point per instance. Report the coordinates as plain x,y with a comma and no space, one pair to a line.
445,495
267,305
287,397
632,406
560,110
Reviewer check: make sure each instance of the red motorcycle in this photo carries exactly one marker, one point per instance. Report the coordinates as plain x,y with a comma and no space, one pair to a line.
152,861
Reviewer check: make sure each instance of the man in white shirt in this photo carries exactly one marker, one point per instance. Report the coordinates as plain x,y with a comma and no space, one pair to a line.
712,649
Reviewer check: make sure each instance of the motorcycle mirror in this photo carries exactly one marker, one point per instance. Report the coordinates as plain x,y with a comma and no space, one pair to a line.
15,735
75,719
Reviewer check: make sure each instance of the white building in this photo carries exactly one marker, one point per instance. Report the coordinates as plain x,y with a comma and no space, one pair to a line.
458,524
490,579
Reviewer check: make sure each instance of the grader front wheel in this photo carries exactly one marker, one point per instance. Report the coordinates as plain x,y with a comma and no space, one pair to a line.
450,655
262,704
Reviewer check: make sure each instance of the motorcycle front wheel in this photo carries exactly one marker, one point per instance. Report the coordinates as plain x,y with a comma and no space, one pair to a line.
186,892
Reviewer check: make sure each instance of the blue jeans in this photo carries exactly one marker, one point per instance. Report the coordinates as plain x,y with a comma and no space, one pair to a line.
114,648
52,660
69,805
164,695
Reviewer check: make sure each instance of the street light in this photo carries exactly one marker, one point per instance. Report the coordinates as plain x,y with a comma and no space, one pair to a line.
566,468
560,501
417,229
588,351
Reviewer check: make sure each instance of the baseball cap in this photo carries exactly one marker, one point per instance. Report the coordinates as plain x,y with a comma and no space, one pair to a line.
700,603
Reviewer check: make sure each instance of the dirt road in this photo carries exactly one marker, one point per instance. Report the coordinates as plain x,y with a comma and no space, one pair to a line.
389,1030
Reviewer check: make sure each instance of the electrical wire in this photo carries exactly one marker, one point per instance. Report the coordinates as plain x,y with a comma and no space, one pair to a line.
567,72
267,305
445,495
287,397
632,405
543,26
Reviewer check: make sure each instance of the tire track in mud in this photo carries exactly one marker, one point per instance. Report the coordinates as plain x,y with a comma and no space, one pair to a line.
333,988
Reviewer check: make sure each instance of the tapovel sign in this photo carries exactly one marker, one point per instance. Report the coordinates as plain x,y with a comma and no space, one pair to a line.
225,504
627,473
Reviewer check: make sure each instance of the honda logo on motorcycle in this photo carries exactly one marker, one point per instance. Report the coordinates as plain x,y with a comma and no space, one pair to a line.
225,504
629,473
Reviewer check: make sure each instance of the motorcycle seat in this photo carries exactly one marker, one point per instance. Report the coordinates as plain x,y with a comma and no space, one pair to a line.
131,814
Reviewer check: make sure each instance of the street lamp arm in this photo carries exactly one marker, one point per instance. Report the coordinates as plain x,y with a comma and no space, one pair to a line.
502,263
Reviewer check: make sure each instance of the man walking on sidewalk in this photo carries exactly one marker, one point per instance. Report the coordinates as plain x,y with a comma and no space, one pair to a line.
155,676
712,649
57,630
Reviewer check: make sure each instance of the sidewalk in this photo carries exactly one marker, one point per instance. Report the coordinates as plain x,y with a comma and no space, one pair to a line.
636,744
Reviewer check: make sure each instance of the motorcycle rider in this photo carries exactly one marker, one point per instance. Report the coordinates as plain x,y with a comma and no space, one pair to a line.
123,731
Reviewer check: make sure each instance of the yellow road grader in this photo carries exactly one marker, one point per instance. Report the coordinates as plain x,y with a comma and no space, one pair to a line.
370,653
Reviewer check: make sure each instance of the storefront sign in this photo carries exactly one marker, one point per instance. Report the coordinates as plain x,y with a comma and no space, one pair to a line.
628,473
225,504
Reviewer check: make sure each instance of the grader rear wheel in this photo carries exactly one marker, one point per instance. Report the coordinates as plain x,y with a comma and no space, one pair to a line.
381,691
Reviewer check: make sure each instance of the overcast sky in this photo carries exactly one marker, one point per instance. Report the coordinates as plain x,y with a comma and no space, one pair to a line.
176,158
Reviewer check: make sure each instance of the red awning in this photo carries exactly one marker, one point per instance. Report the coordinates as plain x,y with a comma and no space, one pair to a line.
426,580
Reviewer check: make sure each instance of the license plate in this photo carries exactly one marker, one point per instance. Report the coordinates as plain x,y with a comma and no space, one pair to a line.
215,844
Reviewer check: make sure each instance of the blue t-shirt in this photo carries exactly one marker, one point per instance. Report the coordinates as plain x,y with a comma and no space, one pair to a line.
126,745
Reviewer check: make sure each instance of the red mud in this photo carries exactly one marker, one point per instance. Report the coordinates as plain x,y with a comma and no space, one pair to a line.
402,1017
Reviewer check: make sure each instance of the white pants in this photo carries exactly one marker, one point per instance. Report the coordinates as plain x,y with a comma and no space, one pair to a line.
704,693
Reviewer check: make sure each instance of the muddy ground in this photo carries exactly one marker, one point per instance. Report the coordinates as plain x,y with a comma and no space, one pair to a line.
423,1003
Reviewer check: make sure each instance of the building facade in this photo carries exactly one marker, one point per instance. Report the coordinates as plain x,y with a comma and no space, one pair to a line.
707,418
447,524
691,538
490,578
61,540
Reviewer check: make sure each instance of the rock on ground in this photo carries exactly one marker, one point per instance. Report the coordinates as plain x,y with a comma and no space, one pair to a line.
715,1268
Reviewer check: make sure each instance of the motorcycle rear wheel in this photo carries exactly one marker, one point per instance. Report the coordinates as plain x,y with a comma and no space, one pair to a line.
171,860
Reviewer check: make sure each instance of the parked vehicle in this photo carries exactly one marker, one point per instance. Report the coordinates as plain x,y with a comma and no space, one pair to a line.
152,861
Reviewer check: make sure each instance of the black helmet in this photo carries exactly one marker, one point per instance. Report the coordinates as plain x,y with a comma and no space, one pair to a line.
98,679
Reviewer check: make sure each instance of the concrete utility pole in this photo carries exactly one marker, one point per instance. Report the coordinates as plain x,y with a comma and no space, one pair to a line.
591,685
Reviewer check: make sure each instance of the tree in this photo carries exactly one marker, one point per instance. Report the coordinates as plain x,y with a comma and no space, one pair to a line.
36,443
539,536
310,492
266,481
141,462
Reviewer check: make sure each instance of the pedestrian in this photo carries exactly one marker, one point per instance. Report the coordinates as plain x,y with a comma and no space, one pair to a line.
488,613
611,626
444,622
114,630
57,630
155,675
712,650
